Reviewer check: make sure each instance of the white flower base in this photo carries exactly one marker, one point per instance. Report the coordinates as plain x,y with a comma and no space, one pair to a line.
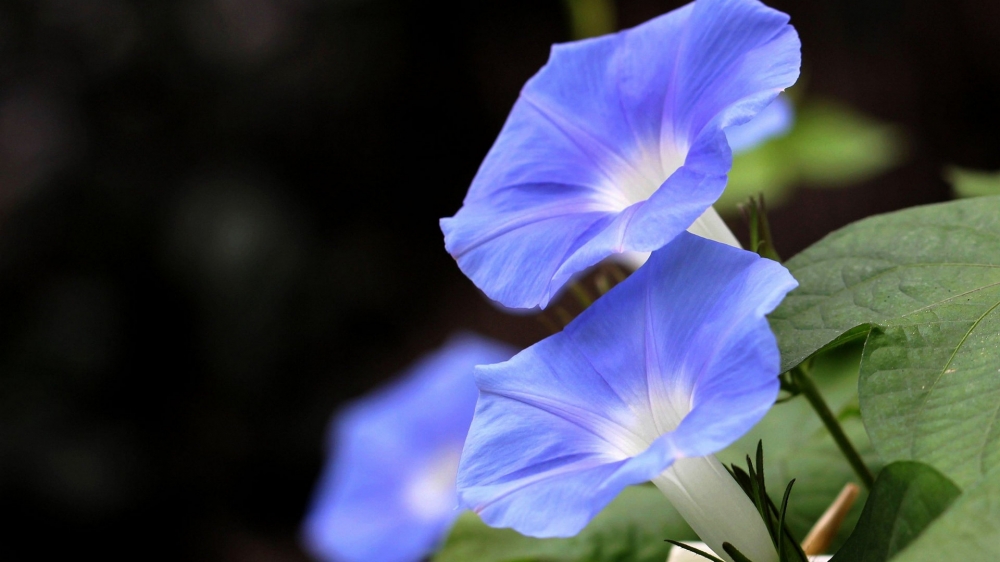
681,555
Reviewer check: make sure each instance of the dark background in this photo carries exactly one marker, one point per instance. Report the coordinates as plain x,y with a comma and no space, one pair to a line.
218,221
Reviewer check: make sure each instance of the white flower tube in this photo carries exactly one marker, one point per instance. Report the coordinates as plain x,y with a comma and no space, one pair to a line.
709,225
700,488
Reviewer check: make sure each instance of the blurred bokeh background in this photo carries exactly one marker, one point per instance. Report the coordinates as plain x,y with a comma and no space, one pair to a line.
218,222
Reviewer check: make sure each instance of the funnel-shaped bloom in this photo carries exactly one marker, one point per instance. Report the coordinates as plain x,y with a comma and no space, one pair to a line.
617,144
667,368
388,492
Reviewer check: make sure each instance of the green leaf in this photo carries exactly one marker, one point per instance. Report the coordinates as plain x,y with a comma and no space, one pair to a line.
906,498
798,446
590,18
695,550
969,530
760,170
971,183
830,145
927,282
838,146
734,553
884,268
632,528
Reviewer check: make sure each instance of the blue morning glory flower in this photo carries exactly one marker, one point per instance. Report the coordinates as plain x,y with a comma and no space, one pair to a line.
670,366
618,144
388,492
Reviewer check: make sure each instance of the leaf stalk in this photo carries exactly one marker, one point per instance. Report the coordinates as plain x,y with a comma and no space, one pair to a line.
807,387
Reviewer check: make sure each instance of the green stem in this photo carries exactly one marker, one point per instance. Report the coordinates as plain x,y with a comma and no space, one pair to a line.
581,294
808,388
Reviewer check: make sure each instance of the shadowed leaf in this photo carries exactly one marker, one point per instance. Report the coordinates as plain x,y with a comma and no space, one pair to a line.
906,498
969,530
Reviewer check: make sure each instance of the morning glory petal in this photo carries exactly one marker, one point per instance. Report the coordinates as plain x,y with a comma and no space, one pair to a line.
617,145
749,55
673,363
388,492
775,120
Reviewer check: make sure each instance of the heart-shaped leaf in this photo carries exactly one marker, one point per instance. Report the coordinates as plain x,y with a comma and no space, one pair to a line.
905,499
926,282
969,530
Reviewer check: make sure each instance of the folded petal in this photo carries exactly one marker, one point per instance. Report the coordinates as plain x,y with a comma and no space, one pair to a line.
673,362
388,492
747,54
617,145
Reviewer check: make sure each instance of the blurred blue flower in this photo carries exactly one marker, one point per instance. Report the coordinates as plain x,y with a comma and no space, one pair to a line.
388,492
667,368
617,144
774,120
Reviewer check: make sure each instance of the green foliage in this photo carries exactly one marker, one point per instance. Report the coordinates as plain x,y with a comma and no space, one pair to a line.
929,390
971,183
755,213
829,146
926,283
969,530
906,498
798,446
752,481
696,550
590,18
632,528
734,553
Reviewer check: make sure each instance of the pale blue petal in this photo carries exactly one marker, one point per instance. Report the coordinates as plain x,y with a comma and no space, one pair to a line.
775,120
508,236
617,145
716,342
674,361
748,54
381,497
